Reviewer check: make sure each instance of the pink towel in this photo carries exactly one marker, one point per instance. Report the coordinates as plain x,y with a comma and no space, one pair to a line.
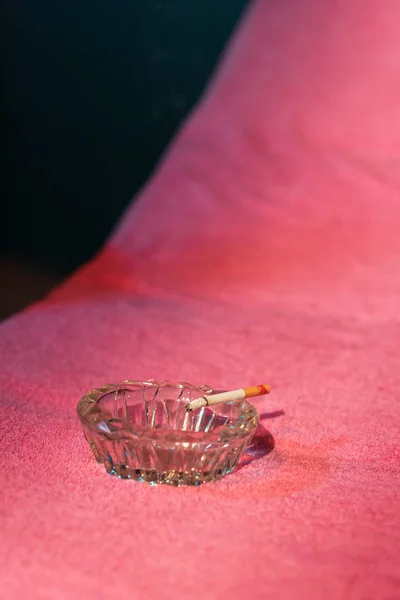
266,247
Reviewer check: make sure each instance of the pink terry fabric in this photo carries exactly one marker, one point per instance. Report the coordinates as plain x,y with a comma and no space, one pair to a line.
265,248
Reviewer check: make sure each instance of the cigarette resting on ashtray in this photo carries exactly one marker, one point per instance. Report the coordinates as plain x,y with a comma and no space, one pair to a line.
250,392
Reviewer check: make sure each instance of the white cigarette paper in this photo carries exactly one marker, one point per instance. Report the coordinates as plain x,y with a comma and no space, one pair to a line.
232,396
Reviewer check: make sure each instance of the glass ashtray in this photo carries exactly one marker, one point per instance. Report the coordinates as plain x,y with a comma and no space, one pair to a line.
141,430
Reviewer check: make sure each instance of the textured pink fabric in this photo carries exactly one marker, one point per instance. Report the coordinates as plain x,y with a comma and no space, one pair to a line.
266,247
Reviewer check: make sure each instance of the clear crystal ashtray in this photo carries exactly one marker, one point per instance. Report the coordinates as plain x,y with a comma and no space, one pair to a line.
141,430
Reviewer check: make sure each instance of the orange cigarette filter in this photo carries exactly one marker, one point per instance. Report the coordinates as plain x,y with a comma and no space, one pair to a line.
256,390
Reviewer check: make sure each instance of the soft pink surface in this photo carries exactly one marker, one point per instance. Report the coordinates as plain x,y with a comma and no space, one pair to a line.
266,247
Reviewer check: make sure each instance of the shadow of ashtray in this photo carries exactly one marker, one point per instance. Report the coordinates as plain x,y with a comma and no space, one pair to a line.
141,430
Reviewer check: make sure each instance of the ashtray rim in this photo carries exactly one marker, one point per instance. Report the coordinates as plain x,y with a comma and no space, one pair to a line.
246,412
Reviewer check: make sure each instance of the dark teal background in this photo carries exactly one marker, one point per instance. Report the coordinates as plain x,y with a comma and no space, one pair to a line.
92,92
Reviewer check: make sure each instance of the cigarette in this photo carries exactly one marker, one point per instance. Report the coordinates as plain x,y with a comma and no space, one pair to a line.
250,392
